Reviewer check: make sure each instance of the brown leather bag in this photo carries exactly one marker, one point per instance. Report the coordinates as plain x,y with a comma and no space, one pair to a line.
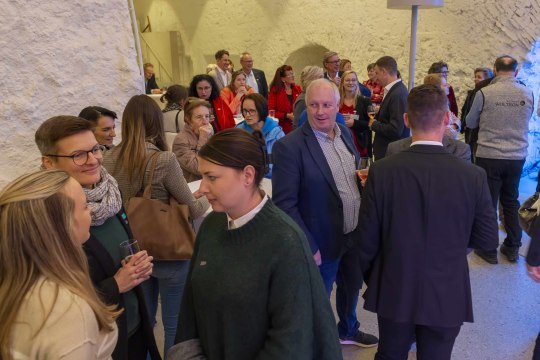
164,230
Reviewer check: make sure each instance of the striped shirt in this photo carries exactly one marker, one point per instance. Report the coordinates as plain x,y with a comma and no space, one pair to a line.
342,164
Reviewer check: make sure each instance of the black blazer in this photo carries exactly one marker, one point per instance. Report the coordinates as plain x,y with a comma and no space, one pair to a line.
151,84
102,271
414,234
452,146
360,126
260,77
390,125
303,187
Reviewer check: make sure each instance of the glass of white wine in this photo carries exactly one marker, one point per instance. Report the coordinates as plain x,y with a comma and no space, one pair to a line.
371,111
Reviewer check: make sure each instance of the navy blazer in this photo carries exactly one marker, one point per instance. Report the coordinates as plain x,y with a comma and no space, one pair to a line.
304,188
390,125
414,235
102,271
260,77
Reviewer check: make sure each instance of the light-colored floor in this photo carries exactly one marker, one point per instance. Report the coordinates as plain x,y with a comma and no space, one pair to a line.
506,310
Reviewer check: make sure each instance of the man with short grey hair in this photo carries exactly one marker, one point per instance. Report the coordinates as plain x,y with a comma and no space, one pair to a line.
503,110
254,77
314,181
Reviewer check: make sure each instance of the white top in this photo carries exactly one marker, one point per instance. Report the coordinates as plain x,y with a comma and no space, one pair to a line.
251,81
427,142
389,86
70,331
244,219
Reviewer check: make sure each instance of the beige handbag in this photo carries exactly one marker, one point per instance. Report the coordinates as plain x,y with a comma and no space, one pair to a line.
164,230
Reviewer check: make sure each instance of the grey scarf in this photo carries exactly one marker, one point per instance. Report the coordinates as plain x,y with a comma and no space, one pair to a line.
104,199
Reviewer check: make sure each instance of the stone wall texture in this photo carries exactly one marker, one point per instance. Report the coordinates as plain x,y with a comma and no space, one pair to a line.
464,33
58,57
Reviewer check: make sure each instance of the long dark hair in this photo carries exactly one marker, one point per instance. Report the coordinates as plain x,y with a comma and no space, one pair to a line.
237,148
203,77
280,72
142,121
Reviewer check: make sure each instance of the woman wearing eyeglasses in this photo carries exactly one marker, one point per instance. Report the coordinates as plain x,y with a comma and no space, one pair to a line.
67,143
282,95
255,111
193,136
204,87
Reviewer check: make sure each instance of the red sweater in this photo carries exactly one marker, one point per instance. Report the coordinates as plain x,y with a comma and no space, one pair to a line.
452,103
224,117
282,106
377,91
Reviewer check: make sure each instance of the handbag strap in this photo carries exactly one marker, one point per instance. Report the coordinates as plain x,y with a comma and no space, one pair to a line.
148,189
176,121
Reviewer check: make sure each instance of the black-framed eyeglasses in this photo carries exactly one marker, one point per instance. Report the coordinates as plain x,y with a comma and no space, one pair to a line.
249,112
81,157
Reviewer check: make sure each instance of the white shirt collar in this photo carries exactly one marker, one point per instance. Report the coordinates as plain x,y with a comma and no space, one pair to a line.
389,86
427,142
244,219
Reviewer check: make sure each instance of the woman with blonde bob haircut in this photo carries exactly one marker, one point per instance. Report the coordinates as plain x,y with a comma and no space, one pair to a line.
49,306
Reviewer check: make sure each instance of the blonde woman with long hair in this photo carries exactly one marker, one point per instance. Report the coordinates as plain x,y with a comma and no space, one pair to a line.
50,309
353,105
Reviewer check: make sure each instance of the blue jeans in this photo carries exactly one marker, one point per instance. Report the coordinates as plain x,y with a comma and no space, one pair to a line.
167,280
347,274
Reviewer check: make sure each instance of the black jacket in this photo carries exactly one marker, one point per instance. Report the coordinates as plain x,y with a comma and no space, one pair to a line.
102,271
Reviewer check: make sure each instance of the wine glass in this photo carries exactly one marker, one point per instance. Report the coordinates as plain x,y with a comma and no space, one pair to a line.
371,111
363,168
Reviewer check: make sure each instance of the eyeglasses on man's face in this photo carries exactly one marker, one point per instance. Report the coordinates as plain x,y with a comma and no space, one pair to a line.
80,157
201,118
335,62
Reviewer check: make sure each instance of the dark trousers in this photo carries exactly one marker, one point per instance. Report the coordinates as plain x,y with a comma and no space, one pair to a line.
536,353
137,345
503,179
432,342
347,275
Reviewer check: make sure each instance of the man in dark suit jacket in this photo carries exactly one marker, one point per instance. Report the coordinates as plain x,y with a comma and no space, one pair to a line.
314,182
254,76
452,146
388,124
414,236
151,86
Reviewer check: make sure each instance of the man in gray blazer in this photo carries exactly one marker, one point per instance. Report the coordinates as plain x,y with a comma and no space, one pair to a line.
221,73
452,146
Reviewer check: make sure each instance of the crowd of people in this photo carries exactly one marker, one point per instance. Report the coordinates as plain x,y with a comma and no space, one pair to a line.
263,268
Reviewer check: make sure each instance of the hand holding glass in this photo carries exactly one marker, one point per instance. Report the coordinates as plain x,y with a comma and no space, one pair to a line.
129,248
371,111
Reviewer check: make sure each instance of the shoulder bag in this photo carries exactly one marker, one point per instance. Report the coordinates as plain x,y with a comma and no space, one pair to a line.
164,230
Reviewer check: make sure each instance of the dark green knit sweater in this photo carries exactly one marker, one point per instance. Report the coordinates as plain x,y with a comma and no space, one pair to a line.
256,293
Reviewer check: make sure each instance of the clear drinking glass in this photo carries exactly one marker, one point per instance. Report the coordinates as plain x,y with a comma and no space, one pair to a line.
129,248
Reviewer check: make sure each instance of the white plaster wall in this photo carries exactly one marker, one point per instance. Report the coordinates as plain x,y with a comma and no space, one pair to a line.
465,33
56,58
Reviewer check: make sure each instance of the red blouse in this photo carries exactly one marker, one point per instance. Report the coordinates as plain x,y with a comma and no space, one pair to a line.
282,106
377,91
224,117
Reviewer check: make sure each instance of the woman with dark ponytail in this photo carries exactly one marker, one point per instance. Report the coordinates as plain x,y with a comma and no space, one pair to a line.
253,289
